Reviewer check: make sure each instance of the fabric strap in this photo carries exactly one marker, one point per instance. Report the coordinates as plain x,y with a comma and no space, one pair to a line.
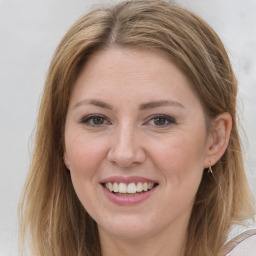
237,240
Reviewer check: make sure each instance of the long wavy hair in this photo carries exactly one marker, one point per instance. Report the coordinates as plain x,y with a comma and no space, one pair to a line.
53,220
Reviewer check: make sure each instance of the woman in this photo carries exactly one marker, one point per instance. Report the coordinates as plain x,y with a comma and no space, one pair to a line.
137,148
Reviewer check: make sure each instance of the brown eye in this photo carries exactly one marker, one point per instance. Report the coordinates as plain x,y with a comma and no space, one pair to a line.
95,120
160,121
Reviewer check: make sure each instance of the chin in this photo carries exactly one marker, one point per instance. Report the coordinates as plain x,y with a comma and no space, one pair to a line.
128,228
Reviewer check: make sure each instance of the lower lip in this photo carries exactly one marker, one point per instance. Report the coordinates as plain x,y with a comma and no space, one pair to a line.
128,200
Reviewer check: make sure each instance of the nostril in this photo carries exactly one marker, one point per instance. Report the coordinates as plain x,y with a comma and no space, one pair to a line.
126,159
125,150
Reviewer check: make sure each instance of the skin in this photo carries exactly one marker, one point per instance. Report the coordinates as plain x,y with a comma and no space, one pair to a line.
128,140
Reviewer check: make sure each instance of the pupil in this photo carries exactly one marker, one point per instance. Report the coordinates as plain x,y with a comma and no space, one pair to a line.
159,121
98,120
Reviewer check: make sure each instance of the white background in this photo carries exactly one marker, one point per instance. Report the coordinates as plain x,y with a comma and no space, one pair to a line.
29,33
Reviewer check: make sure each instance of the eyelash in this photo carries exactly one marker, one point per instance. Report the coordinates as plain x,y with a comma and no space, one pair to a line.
168,120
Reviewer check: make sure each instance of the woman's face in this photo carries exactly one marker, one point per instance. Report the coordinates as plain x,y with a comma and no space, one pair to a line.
136,143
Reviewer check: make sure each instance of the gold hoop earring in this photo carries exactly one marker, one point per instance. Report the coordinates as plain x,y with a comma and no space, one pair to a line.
210,170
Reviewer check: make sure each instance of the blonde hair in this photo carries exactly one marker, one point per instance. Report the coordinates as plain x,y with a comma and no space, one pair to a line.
50,212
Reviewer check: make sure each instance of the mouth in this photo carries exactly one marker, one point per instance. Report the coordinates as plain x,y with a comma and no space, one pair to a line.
129,189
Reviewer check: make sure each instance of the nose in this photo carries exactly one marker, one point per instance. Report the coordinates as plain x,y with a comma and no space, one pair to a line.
126,148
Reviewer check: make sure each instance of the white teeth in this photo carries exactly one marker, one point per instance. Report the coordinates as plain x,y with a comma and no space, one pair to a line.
139,187
115,187
122,188
110,187
145,186
130,188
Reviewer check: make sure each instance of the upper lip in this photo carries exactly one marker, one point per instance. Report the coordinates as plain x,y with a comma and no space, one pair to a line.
127,180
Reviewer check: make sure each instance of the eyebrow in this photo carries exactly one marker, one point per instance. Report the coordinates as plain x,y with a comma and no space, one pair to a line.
96,103
161,103
144,106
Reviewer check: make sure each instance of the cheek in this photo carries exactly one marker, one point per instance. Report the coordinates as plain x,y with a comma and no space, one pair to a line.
181,164
85,156
180,159
181,151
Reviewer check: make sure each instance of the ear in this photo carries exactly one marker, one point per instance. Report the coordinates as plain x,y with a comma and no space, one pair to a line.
65,158
218,138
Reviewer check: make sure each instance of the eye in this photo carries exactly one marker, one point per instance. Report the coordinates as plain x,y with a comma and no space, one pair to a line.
161,121
95,120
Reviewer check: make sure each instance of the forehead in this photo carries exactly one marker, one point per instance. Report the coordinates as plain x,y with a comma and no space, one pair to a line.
130,61
133,73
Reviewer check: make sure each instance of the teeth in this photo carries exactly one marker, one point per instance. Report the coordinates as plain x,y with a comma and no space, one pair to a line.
139,187
110,187
130,188
122,188
145,186
115,187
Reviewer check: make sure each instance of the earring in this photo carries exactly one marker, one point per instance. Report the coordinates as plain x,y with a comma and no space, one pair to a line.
210,170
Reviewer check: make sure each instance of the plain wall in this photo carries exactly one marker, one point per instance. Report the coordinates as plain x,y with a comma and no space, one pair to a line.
29,33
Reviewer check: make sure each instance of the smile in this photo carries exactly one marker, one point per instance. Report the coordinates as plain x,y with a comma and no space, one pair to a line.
129,189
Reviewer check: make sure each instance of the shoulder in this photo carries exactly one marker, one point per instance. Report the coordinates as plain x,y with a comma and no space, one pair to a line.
242,245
